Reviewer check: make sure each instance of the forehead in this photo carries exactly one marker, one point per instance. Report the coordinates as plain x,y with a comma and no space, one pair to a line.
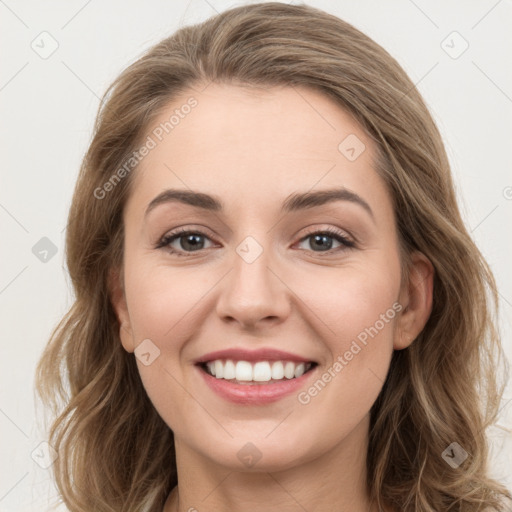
246,143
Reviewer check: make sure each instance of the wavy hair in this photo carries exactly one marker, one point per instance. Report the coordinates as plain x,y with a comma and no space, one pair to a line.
115,451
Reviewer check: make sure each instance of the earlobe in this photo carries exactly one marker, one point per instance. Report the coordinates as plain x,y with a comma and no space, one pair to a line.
416,299
118,301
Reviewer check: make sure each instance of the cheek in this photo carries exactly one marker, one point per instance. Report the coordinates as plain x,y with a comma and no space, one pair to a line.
351,301
162,302
161,298
356,313
348,310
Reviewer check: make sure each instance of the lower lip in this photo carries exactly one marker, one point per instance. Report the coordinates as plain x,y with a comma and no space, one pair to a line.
255,394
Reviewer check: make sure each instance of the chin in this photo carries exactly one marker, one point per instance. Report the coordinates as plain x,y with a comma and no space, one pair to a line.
257,455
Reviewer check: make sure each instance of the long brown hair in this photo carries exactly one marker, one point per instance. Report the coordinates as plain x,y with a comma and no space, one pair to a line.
115,451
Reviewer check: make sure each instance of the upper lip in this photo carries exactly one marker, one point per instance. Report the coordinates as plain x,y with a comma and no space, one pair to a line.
262,354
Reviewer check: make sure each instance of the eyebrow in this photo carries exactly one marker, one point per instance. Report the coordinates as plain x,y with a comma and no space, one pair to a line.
294,202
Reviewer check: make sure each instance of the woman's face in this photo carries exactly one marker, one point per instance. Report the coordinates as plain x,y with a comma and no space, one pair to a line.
272,264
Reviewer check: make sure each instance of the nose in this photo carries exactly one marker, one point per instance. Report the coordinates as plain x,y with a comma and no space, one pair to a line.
253,295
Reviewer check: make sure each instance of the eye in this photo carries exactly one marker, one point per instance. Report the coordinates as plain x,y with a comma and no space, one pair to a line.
188,241
323,240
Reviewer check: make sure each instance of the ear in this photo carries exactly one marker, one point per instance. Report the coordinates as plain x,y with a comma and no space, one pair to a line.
416,299
118,301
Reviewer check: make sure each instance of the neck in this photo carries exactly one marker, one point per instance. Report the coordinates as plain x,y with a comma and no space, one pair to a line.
336,479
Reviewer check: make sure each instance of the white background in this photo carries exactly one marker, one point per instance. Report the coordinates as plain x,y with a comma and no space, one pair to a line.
48,108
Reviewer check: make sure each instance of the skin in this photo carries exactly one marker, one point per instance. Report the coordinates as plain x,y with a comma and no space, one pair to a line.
252,149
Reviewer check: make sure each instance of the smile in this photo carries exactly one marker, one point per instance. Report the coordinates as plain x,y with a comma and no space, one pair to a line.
256,392
260,371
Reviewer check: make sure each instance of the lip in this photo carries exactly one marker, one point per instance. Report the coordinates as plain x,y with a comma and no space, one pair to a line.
255,394
262,354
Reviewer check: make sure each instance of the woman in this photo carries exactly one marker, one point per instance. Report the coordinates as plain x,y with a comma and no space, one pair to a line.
278,306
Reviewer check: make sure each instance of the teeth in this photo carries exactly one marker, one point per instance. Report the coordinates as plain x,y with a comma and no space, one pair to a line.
262,371
289,370
299,370
211,367
229,370
219,370
277,370
243,370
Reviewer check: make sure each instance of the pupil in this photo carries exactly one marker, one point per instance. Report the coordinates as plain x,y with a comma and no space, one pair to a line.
322,240
193,241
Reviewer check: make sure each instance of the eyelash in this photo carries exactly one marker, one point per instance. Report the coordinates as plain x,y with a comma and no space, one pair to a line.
339,236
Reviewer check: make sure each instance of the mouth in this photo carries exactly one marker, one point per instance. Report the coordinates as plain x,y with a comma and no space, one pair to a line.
256,372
